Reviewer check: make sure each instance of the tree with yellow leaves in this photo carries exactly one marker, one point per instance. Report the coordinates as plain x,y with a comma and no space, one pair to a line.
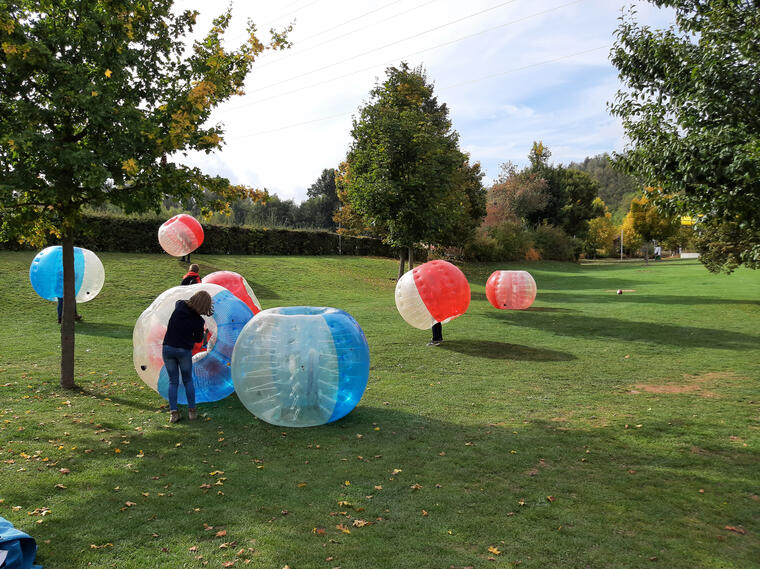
99,99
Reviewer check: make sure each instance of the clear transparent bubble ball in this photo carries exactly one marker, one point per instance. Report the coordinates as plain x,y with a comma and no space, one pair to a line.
301,366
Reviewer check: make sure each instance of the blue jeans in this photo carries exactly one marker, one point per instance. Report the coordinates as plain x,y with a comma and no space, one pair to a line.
178,360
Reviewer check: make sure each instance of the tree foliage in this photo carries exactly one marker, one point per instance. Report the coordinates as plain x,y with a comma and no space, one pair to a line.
615,187
649,222
99,99
690,107
406,175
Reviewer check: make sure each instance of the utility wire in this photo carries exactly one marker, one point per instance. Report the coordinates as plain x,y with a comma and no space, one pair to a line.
452,86
384,46
387,62
299,43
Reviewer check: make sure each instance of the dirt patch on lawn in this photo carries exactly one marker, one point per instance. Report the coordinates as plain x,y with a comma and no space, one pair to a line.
691,384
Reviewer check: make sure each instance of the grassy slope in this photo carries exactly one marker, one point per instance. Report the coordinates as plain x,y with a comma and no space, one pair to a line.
638,414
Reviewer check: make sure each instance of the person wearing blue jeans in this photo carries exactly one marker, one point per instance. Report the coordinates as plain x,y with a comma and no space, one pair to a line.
185,328
77,316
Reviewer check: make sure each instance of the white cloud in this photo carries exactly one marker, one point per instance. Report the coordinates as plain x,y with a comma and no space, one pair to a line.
537,76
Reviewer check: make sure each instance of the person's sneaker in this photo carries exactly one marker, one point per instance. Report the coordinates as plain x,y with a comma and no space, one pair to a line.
434,343
192,414
174,417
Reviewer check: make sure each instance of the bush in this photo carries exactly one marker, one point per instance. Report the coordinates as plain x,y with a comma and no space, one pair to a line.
512,241
556,245
140,235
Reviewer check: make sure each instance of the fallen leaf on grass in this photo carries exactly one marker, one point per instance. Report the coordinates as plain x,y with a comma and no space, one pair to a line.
494,550
361,523
221,533
130,504
193,548
736,529
343,528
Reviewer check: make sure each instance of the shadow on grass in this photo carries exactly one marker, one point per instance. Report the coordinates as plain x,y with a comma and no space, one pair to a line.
578,325
504,351
276,490
118,400
108,329
639,298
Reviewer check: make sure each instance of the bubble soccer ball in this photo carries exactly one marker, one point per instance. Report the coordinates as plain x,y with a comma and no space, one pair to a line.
301,366
237,285
435,291
211,367
46,274
515,290
180,235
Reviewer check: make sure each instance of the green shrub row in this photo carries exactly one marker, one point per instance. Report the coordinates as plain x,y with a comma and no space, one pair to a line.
511,241
129,235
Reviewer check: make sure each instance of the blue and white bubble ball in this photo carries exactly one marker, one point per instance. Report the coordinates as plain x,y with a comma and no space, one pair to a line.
211,366
301,366
46,274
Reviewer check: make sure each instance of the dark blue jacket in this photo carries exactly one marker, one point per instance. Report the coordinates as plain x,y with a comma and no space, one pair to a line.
185,327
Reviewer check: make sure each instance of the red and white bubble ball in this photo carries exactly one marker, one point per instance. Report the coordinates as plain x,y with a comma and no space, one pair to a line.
237,285
511,290
436,291
180,235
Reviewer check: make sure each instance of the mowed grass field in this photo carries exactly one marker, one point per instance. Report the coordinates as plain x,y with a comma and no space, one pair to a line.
593,430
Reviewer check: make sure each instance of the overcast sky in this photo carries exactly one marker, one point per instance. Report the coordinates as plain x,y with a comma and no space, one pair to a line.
511,72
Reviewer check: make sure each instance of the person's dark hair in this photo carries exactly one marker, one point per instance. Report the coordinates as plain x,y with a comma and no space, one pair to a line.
194,268
201,303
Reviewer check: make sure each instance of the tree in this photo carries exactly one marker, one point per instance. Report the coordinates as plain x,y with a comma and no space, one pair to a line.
516,196
99,99
403,161
322,203
691,110
601,231
650,223
466,203
570,194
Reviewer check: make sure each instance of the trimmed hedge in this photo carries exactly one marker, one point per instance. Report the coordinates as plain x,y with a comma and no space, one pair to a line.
127,235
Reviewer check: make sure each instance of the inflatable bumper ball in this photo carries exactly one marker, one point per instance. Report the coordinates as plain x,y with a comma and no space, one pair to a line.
180,235
237,285
436,291
46,274
301,366
515,290
211,367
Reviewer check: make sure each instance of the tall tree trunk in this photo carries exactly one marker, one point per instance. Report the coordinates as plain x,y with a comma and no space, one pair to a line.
411,258
69,309
401,262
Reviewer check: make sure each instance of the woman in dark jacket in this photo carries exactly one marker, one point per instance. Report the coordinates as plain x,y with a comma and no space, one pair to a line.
185,328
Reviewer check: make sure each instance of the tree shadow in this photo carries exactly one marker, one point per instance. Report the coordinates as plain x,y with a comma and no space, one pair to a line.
109,329
504,351
578,325
639,298
118,400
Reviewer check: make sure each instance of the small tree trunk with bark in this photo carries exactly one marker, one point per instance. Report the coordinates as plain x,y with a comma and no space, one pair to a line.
69,310
401,262
411,258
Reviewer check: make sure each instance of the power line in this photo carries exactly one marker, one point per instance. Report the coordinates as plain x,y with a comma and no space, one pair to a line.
354,31
452,86
385,46
387,62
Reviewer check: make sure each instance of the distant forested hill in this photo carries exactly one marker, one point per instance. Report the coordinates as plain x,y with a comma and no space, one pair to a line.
614,186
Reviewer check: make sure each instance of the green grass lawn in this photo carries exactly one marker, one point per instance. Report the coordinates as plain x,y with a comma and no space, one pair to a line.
593,430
